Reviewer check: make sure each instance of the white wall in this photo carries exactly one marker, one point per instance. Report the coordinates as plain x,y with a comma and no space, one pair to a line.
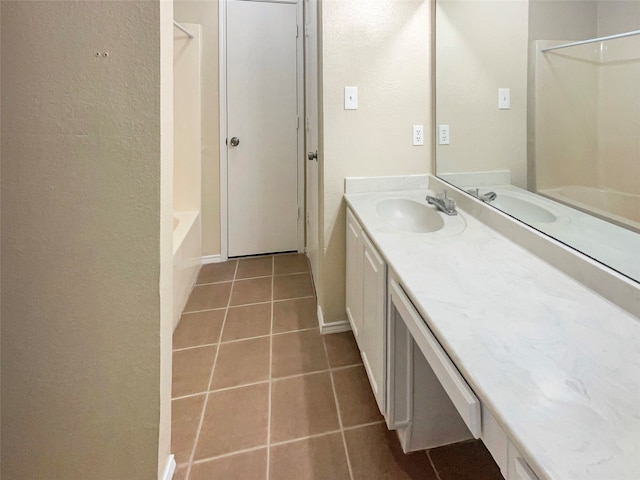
382,47
84,253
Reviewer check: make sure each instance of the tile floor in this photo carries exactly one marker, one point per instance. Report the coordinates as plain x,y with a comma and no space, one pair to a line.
258,393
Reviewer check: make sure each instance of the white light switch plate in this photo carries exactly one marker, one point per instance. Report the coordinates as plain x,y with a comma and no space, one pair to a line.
350,98
504,98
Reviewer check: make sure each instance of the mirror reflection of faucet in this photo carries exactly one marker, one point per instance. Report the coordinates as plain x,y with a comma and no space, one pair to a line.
485,197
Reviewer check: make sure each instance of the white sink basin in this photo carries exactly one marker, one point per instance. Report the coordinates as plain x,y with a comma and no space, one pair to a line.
526,211
410,216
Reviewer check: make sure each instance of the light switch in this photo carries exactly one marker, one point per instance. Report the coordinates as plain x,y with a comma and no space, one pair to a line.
418,134
443,134
350,98
504,98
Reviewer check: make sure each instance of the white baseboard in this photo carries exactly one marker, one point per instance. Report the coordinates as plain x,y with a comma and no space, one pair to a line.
170,469
333,327
206,259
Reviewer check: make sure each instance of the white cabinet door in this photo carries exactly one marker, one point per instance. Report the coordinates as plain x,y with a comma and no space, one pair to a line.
354,275
373,319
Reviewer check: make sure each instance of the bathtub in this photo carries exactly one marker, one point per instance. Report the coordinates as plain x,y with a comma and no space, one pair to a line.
187,258
617,207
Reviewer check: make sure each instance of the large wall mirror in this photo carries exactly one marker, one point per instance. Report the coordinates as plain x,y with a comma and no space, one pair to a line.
538,114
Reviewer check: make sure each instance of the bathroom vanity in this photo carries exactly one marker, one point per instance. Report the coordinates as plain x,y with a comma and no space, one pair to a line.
466,334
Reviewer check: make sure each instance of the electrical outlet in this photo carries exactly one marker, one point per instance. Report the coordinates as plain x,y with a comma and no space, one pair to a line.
418,134
443,134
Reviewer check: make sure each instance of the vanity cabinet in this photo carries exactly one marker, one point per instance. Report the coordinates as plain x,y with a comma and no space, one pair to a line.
365,304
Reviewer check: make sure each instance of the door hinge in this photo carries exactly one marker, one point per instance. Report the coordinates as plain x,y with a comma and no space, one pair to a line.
297,30
298,122
298,212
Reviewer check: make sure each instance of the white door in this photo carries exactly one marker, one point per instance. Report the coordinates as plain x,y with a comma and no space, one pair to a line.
262,127
311,133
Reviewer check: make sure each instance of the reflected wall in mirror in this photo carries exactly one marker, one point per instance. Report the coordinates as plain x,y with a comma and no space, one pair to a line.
560,147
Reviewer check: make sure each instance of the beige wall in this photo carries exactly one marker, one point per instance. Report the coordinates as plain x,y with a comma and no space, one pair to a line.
205,13
617,16
187,104
383,48
481,46
81,250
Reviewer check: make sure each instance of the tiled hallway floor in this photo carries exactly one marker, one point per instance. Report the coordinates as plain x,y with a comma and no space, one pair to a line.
258,393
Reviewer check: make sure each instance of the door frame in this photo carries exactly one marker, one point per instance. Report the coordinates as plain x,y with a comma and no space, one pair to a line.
222,98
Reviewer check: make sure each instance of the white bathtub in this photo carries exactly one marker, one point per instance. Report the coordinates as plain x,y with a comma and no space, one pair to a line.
187,258
618,207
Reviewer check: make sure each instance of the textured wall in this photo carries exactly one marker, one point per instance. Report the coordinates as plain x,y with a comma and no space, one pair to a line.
205,13
383,48
80,240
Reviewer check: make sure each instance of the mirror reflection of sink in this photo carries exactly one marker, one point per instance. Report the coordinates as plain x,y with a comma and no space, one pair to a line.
522,209
410,216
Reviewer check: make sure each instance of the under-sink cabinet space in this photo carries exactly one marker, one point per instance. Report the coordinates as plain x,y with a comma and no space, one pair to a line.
421,409
365,300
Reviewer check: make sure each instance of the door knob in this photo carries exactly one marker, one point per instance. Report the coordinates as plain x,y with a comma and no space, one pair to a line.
312,155
235,141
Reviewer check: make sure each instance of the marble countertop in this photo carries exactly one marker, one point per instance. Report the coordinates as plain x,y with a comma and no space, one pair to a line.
557,365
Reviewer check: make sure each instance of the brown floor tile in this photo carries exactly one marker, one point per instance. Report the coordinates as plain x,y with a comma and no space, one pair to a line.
319,457
302,406
298,352
295,263
217,272
355,398
242,362
242,466
234,420
292,286
248,321
185,419
180,473
208,297
295,314
199,328
374,452
256,290
465,461
255,267
342,349
192,370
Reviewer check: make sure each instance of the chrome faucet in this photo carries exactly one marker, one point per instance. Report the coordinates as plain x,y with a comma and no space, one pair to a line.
442,203
485,197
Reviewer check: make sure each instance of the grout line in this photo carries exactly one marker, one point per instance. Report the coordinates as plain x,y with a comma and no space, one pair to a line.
225,342
273,268
213,367
201,311
230,454
335,399
308,437
433,466
370,424
212,283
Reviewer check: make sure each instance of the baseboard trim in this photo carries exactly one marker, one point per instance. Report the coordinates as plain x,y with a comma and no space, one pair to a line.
206,259
332,327
170,469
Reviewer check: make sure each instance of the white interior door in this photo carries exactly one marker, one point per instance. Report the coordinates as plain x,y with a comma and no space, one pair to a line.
311,134
262,127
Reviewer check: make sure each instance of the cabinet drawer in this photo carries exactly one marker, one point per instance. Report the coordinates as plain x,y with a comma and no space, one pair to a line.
461,395
518,467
